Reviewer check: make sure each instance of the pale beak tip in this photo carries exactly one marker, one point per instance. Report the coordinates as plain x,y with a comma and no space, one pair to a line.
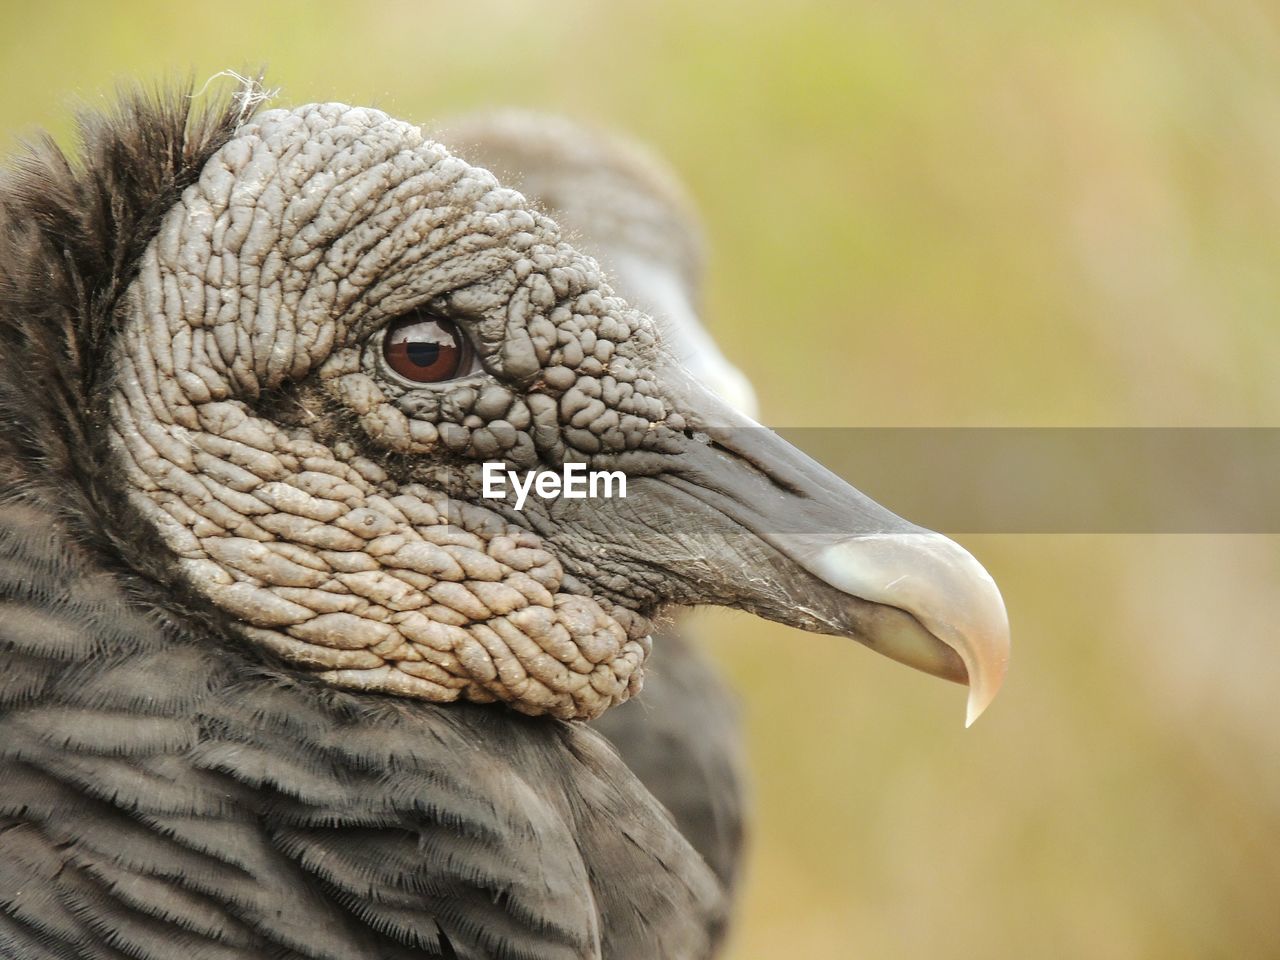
945,589
989,679
976,706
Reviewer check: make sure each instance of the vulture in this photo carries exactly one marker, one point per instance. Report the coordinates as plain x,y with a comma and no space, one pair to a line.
283,674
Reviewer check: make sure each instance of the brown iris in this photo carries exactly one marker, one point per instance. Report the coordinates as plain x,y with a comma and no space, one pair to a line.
424,349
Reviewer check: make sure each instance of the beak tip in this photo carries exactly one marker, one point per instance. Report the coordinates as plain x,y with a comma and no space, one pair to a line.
988,683
945,589
977,704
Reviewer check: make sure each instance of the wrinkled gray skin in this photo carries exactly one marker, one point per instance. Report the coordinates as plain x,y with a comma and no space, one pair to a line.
303,237
617,200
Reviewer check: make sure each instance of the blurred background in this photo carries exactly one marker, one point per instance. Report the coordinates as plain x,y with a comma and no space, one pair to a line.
920,214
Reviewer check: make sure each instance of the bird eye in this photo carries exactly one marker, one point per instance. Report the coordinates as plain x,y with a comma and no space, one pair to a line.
425,349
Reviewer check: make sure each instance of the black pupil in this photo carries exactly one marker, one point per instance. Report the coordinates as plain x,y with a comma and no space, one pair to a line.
421,353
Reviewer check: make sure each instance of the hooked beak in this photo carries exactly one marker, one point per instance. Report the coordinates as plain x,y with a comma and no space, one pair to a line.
836,561
961,630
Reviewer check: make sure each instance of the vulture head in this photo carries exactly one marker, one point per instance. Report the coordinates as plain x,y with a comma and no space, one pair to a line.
333,327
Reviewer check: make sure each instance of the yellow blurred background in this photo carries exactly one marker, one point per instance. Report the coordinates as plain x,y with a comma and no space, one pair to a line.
921,214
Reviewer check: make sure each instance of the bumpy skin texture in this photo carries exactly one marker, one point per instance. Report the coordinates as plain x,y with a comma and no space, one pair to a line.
281,265
175,786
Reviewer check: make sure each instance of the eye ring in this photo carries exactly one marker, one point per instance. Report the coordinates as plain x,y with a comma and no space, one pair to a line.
424,348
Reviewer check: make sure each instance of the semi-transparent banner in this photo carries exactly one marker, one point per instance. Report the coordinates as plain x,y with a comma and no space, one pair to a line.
1062,480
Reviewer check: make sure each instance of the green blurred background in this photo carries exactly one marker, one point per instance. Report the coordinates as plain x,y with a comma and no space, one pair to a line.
921,214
